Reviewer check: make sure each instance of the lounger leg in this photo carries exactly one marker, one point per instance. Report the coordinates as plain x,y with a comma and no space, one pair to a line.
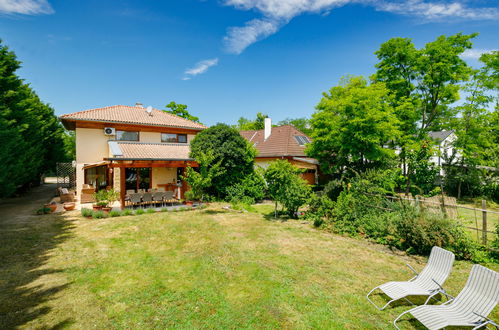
398,317
432,296
483,325
388,303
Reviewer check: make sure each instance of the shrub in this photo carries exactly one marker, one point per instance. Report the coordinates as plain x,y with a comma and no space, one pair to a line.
87,212
164,209
139,212
320,206
114,213
286,187
126,212
333,188
99,215
150,210
251,188
363,210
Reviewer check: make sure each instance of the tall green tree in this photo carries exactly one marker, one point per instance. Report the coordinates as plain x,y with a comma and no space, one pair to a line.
302,124
245,124
30,133
235,154
425,82
351,126
476,141
180,110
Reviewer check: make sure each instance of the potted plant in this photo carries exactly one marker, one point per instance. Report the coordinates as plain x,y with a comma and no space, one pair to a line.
111,197
100,200
52,206
190,196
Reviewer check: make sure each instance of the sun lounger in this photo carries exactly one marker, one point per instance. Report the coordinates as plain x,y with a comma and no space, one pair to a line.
427,283
469,309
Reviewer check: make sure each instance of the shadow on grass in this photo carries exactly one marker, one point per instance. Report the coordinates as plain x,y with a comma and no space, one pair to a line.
24,250
382,299
214,211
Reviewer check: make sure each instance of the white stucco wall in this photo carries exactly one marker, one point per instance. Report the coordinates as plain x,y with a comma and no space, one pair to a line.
162,175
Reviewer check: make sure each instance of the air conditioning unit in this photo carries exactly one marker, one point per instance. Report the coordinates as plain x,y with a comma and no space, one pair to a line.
109,131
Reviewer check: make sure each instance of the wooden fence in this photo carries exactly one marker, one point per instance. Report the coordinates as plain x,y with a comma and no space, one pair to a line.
448,207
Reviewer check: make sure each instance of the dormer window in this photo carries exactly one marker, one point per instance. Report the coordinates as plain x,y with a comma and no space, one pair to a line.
302,140
173,138
127,136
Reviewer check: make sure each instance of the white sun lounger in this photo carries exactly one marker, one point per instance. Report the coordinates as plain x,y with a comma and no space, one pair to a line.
469,309
428,283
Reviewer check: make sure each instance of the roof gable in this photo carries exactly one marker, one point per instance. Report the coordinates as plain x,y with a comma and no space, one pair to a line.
135,115
440,136
281,142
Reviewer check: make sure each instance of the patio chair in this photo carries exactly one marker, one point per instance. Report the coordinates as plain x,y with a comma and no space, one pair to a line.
168,197
470,308
158,197
427,283
147,198
135,199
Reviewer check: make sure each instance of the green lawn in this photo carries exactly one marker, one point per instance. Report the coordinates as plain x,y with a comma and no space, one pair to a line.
210,268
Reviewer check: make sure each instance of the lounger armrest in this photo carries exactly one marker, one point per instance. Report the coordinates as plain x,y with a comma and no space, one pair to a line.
413,270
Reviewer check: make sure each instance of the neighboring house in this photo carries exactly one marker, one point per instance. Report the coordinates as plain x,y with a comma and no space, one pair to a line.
130,148
282,142
444,141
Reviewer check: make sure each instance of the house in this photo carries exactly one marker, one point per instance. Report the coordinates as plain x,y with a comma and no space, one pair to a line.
130,148
282,142
444,141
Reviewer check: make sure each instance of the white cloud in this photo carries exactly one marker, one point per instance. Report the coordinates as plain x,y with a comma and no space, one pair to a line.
437,10
238,38
277,13
26,7
474,54
199,68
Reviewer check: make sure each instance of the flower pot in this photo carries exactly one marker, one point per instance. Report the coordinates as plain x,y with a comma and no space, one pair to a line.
97,207
52,207
189,203
68,206
107,209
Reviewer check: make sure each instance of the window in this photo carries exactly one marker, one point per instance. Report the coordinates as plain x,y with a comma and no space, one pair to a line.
302,140
127,136
96,176
173,138
137,178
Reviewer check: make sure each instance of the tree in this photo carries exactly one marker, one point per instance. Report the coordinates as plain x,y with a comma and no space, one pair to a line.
244,124
235,154
351,126
286,187
428,78
200,181
302,124
181,111
421,173
31,135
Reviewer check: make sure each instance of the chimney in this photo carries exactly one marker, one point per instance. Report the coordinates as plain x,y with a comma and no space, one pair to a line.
138,104
268,128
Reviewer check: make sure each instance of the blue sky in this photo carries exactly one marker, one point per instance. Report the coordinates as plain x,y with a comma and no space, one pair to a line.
223,58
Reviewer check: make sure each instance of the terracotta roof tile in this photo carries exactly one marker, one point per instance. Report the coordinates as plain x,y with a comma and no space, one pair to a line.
281,142
153,151
132,115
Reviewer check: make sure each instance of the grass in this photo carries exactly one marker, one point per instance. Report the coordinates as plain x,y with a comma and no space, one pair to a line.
208,268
